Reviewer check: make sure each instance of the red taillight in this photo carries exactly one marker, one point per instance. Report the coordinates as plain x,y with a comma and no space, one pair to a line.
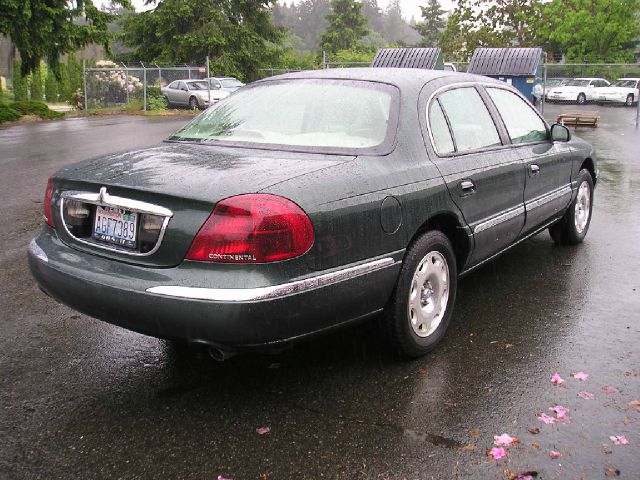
48,198
253,228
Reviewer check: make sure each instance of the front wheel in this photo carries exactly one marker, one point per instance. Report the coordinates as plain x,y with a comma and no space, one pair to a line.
422,304
629,101
582,99
573,226
193,103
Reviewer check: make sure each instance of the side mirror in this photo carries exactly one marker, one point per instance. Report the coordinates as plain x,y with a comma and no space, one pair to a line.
560,133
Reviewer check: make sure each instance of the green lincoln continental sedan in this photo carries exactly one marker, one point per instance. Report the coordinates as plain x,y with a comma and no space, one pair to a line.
309,201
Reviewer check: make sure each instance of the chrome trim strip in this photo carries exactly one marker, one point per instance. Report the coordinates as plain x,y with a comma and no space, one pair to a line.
548,197
526,237
106,200
272,292
36,251
498,219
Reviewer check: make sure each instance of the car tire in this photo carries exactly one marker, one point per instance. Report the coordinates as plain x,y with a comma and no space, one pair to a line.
193,103
167,103
582,99
421,306
629,101
574,225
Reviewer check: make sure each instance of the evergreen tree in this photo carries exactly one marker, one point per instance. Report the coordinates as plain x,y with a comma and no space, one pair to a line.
394,23
51,88
37,84
20,87
47,29
238,35
347,25
432,25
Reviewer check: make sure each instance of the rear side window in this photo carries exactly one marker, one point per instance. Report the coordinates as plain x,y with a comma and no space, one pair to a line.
523,124
471,123
442,140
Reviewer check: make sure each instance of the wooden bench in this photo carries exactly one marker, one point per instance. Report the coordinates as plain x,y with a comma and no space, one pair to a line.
579,119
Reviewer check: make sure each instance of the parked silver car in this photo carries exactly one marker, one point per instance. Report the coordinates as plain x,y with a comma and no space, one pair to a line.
225,84
192,93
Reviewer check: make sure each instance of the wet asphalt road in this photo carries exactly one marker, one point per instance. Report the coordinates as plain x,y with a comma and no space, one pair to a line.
83,399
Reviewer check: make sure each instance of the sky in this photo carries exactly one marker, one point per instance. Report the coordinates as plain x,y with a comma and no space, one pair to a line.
410,8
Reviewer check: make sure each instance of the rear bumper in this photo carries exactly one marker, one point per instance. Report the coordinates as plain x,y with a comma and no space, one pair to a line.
162,302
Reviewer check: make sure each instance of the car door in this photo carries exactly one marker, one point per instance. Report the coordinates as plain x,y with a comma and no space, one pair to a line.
547,164
484,179
182,94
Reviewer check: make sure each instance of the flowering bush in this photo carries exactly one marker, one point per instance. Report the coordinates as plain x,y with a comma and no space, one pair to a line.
111,87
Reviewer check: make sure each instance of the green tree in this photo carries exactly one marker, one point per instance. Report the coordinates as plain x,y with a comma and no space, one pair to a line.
37,84
20,86
73,77
593,30
499,23
432,25
238,35
347,25
51,87
47,29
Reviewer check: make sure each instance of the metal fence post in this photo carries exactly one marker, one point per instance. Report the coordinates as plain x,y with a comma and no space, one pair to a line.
144,86
84,85
544,83
126,80
208,80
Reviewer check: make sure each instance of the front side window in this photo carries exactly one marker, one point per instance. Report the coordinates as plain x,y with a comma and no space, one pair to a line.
523,124
471,123
231,83
199,85
306,113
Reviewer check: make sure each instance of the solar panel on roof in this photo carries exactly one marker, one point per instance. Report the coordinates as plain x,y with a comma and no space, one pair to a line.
505,61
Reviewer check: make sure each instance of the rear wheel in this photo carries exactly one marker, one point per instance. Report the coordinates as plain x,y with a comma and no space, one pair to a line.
421,307
629,101
582,99
573,226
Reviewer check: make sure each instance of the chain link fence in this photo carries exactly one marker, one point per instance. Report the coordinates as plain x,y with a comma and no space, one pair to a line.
108,85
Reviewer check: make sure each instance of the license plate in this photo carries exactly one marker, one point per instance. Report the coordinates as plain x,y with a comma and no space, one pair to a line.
115,225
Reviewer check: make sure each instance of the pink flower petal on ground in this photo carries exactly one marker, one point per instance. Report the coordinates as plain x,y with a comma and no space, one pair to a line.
546,419
220,477
619,440
561,412
610,390
586,395
557,379
554,454
524,477
262,430
504,440
497,453
581,376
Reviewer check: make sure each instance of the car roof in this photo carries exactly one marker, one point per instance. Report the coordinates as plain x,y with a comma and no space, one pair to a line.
589,78
629,78
401,77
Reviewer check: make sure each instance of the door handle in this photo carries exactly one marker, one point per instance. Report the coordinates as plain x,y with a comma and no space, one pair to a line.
535,169
467,187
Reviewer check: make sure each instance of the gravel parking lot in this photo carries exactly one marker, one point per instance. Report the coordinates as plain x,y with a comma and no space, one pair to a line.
84,399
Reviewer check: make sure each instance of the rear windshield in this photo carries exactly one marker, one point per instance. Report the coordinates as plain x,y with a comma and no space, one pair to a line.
625,83
301,114
231,82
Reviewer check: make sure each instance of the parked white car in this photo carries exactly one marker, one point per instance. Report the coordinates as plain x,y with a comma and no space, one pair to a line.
578,90
624,90
191,93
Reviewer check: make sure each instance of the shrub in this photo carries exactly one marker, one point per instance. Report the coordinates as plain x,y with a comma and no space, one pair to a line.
8,114
155,99
51,87
36,108
37,92
20,87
